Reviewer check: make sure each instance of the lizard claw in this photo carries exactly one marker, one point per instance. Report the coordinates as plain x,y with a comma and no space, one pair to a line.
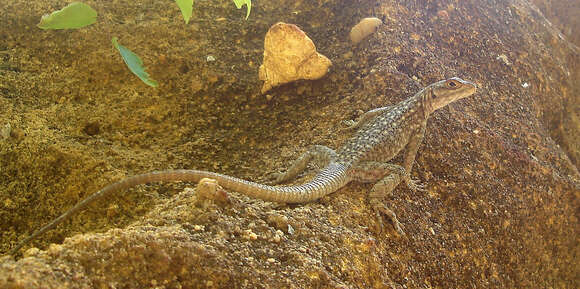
415,185
392,216
275,178
349,124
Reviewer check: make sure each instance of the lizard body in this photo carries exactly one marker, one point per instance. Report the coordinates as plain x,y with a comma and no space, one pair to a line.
381,134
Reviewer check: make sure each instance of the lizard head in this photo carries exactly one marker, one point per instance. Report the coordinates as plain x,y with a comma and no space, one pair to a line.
447,91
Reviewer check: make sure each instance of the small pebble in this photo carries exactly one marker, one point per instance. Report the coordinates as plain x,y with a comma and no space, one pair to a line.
443,14
253,236
504,59
5,131
17,134
209,189
364,28
92,128
249,235
290,229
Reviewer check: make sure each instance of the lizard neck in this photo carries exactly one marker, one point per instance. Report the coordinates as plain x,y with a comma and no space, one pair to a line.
418,107
425,98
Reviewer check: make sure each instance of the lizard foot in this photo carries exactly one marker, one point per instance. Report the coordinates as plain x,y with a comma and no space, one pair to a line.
392,216
348,124
415,185
276,178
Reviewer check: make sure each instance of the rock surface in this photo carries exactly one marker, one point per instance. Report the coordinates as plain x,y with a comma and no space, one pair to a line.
502,201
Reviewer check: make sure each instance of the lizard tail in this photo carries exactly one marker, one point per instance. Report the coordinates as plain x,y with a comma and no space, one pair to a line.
325,182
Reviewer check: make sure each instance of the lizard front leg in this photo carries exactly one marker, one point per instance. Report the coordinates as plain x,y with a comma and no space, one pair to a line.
410,155
318,154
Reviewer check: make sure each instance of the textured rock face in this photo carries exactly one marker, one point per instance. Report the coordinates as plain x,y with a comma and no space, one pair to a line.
564,126
501,207
290,55
564,14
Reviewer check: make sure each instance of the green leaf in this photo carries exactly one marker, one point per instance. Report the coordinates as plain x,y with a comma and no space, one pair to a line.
186,7
75,15
248,3
134,63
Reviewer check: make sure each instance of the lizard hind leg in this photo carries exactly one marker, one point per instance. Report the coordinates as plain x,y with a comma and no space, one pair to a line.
319,155
376,196
387,177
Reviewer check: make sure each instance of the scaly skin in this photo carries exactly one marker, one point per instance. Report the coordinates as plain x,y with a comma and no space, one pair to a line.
381,134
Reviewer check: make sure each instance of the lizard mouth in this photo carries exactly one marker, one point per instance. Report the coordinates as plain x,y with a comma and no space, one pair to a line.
470,89
467,89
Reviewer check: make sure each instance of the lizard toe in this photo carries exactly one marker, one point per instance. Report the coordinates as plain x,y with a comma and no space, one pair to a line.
382,209
348,125
416,185
275,178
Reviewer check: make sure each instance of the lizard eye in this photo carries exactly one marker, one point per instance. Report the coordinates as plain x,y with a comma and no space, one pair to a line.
452,84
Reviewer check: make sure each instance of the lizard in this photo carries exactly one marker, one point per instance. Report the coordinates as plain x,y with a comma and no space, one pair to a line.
380,135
